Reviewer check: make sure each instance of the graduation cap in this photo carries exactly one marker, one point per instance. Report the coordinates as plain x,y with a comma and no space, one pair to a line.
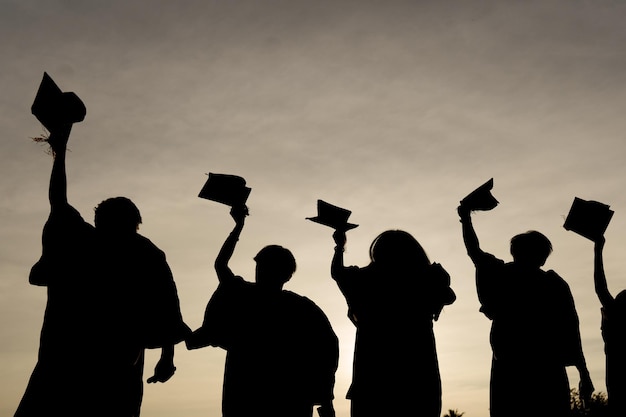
332,216
226,189
52,107
481,198
588,218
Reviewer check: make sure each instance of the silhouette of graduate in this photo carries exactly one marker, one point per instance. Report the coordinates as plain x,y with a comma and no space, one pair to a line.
110,295
392,302
282,352
590,219
534,325
613,332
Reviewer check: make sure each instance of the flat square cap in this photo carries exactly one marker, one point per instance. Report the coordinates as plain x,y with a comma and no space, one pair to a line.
588,218
226,189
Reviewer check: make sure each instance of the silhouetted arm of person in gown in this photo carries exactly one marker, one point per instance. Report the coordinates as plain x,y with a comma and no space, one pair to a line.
341,274
57,194
337,265
224,273
469,234
599,277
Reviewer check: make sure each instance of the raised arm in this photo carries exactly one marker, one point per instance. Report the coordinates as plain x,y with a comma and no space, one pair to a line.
599,278
337,266
40,273
57,193
224,272
469,234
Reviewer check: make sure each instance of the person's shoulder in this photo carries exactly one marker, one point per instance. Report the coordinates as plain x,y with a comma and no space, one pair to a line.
553,275
146,244
352,271
67,212
142,240
365,273
238,283
295,297
300,301
66,222
555,278
487,260
556,284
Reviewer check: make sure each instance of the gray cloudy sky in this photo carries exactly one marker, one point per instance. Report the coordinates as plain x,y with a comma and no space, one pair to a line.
395,110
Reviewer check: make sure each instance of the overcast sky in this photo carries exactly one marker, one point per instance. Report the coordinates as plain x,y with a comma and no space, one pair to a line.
395,110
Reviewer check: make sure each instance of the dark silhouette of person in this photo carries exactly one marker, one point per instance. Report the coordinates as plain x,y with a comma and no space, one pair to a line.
534,331
110,296
393,302
613,332
282,352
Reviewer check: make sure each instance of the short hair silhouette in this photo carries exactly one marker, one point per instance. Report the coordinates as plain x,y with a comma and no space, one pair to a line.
117,214
281,351
397,247
531,248
279,260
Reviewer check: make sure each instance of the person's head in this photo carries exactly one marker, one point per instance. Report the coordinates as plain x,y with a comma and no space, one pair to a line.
397,248
531,248
117,215
274,266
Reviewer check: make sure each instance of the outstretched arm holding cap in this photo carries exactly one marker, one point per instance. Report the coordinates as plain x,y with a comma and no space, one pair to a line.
57,193
57,196
224,272
337,265
469,234
599,277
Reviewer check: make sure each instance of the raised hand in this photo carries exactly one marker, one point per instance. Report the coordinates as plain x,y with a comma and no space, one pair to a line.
239,213
339,236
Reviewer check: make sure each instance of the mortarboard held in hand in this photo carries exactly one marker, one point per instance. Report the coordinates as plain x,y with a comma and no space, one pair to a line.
226,189
588,218
53,107
481,198
332,216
